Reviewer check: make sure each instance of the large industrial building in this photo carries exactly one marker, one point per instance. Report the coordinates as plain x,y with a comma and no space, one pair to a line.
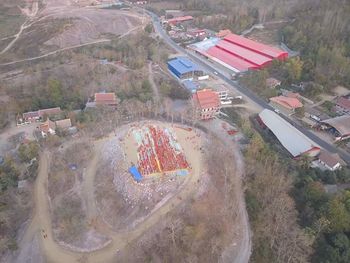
294,141
339,127
183,68
238,53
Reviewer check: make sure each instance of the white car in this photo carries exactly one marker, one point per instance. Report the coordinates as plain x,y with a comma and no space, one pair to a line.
277,111
216,73
226,102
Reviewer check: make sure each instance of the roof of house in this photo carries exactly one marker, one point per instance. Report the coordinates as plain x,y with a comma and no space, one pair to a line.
257,47
207,98
31,114
105,98
290,103
63,124
180,19
183,65
291,138
243,54
329,159
341,124
50,111
47,125
343,102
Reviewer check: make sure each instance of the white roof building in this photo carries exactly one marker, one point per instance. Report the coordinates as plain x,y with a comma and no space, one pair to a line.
292,139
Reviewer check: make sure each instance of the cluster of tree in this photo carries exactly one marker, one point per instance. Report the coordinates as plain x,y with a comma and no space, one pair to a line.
171,88
130,52
321,32
277,236
326,218
236,15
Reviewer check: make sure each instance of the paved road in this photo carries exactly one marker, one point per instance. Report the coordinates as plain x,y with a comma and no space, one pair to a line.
246,92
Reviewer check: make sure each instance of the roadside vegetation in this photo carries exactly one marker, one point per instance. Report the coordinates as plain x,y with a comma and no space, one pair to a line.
15,202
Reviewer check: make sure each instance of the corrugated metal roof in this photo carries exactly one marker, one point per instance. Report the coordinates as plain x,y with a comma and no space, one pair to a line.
341,124
183,65
233,61
256,46
243,53
291,138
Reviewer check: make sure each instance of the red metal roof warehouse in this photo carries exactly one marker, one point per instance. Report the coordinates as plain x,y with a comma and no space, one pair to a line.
243,54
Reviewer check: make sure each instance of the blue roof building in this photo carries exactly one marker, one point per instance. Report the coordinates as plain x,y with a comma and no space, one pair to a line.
183,68
135,173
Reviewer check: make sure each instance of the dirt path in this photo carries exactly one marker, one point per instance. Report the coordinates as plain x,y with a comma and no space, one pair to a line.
56,51
88,190
68,48
42,220
153,84
30,13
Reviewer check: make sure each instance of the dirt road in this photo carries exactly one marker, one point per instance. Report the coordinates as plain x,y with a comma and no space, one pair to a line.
238,252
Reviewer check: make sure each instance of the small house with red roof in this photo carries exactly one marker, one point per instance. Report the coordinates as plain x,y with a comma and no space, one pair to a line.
105,99
286,104
206,103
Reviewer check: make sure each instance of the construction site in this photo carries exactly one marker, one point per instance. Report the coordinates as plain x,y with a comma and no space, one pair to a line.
149,163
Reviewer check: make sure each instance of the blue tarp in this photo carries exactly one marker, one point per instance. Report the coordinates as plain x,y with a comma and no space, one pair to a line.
135,173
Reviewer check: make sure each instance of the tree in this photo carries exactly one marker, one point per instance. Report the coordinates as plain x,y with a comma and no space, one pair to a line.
27,152
294,68
55,92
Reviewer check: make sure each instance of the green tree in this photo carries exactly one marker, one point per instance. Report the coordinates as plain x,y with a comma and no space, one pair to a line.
55,92
338,216
294,68
27,152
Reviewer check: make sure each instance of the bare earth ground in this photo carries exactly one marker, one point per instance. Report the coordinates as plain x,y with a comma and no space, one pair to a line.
74,27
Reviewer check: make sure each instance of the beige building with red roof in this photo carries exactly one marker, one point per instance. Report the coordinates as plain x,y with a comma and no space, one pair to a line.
108,99
207,103
285,104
